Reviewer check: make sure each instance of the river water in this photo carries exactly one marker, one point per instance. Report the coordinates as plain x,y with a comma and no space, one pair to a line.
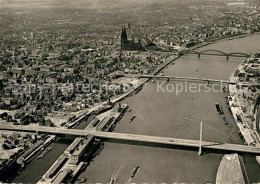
163,114
167,114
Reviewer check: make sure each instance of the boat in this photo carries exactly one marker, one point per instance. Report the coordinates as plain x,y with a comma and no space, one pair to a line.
82,180
225,120
135,171
112,180
114,176
132,118
219,109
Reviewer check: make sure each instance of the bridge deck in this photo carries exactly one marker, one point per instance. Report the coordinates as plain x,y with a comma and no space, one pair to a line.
137,138
213,52
208,54
193,79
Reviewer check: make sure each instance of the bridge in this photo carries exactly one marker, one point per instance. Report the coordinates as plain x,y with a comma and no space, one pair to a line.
137,138
216,53
188,79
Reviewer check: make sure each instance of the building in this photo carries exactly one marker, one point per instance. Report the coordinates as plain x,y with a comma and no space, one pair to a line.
1,84
257,112
61,177
253,68
72,147
57,165
81,149
129,44
236,3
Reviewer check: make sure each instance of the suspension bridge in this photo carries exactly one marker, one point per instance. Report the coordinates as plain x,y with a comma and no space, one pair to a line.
187,79
140,138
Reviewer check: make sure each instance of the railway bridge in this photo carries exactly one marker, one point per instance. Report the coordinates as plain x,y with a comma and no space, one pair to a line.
212,52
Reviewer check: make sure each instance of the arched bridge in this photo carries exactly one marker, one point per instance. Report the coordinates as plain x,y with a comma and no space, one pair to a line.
212,52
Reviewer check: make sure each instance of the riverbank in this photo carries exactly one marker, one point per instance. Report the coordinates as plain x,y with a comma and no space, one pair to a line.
241,101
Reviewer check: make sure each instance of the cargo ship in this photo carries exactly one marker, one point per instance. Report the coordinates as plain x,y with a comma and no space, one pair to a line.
219,109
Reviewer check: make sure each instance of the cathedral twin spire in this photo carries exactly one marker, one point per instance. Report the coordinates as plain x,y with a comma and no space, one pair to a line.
123,34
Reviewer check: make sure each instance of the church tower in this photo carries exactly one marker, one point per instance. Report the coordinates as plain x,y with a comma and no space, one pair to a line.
123,38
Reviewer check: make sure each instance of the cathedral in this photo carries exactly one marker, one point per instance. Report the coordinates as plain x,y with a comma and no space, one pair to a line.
129,44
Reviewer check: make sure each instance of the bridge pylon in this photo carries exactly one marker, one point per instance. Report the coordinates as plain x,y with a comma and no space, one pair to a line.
200,148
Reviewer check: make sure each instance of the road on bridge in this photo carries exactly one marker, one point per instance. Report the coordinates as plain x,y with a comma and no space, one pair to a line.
188,79
137,138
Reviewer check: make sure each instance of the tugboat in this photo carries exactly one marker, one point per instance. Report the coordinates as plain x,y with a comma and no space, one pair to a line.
132,118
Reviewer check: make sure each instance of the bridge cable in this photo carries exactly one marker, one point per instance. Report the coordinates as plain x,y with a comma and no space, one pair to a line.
224,134
213,133
220,132
185,131
191,131
183,127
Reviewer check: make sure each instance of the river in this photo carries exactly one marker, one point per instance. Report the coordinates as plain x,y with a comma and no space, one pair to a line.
163,114
170,115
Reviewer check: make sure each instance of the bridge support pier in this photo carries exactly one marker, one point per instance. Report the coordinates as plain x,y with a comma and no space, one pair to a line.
227,57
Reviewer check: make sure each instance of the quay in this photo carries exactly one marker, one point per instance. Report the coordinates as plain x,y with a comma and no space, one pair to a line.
138,138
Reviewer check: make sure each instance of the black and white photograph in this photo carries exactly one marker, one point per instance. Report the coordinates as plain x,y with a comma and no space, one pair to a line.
130,91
